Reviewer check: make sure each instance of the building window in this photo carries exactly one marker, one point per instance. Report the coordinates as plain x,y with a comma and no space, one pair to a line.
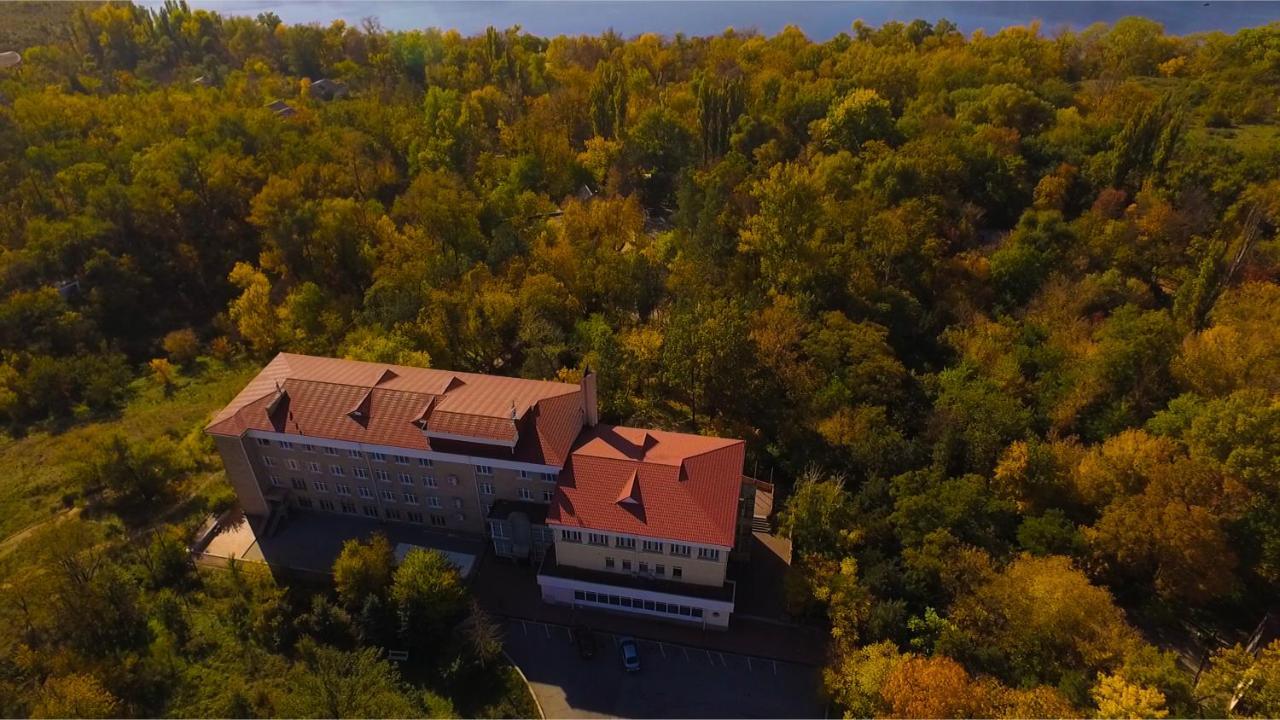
484,470
336,470
268,461
498,529
597,539
414,517
437,520
406,479
652,546
660,570
320,486
643,567
263,442
676,571
304,501
314,467
573,536
626,543
411,498
429,480
298,483
485,509
275,480
342,489
365,492
453,479
379,457
308,447
355,453
708,554
326,505
388,496
382,475
457,503
360,472
548,477
392,513
424,462
524,474
547,495
370,511
459,517
402,460
680,550
486,488
525,494
608,563
433,502
626,566
330,450
293,464
286,445
348,507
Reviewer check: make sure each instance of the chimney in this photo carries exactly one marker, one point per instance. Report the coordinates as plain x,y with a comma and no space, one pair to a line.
590,411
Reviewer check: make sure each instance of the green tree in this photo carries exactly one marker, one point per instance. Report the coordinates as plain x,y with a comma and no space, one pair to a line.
363,569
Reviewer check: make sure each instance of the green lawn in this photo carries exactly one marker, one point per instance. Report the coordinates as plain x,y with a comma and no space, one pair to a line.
40,469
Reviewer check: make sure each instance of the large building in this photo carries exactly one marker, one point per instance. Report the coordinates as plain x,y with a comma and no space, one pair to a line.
633,520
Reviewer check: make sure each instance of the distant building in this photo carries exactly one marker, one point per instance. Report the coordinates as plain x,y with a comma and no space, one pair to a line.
203,81
282,109
326,89
616,518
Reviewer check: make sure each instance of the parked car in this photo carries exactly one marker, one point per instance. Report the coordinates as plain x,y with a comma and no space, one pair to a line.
586,641
630,654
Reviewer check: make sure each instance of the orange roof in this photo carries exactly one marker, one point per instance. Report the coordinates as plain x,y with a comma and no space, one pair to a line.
653,484
398,406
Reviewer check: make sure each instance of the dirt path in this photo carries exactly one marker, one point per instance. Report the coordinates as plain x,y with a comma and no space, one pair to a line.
8,544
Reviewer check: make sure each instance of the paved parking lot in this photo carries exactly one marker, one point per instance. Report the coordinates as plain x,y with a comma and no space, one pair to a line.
674,681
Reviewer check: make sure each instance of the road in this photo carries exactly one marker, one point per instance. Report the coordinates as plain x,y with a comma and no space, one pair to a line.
674,681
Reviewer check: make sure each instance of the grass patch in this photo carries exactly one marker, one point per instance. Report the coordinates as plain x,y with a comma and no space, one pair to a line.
40,480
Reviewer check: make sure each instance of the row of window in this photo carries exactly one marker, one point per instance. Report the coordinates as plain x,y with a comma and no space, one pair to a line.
349,508
345,490
383,457
659,570
330,450
649,546
636,603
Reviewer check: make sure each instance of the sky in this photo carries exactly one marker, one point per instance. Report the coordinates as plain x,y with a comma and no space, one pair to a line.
819,20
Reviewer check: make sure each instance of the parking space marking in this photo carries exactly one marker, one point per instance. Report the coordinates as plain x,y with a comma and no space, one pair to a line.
662,648
722,662
749,668
547,628
524,626
685,650
775,667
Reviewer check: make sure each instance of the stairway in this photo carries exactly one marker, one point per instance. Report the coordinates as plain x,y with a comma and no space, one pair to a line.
761,524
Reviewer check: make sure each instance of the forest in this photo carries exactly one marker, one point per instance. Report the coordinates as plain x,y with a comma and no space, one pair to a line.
999,312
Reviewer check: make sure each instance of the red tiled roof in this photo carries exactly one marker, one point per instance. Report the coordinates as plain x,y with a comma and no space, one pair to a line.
653,484
382,404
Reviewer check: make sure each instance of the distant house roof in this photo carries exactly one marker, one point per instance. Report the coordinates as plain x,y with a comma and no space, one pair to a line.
204,81
532,421
327,89
282,109
10,59
652,483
